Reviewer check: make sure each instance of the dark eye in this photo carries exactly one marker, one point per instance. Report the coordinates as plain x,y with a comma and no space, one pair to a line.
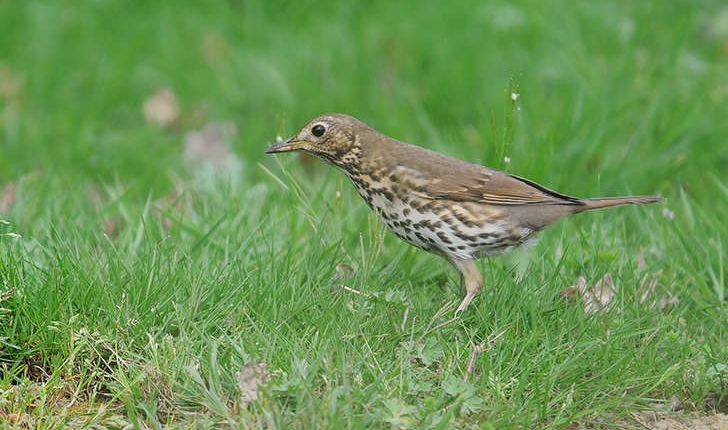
318,130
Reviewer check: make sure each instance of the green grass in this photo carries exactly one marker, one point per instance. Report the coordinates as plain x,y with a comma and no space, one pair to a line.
141,284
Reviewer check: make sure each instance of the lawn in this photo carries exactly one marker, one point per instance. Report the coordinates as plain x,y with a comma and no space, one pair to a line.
158,270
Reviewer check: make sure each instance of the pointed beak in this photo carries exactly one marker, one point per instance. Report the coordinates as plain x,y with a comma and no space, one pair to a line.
286,146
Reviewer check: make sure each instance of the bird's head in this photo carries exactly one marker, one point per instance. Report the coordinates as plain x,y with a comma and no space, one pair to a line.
332,137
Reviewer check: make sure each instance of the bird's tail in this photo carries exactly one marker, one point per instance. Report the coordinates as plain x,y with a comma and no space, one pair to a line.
607,202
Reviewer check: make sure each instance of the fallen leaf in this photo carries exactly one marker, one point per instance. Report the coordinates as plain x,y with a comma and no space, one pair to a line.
171,204
250,377
209,158
570,292
675,403
8,197
648,289
343,270
111,228
600,297
209,146
648,285
161,108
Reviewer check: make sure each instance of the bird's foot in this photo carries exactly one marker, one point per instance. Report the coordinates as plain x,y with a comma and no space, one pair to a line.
448,322
469,296
464,304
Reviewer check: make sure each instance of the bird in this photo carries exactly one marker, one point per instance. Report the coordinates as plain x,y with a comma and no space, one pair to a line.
450,207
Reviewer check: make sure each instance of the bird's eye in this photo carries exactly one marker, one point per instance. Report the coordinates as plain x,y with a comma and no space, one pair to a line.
318,130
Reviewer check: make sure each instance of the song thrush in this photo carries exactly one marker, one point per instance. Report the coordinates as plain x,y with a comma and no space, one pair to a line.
443,205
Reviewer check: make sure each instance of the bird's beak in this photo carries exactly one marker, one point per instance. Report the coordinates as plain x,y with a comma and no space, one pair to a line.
285,146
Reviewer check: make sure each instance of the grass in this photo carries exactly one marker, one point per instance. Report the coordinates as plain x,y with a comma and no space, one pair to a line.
143,286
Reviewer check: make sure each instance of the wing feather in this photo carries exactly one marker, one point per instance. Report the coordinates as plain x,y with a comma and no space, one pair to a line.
437,176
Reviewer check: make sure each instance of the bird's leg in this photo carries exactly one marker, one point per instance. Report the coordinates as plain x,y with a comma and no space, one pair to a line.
471,281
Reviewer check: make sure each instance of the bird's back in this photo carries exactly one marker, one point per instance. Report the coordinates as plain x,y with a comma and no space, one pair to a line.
434,176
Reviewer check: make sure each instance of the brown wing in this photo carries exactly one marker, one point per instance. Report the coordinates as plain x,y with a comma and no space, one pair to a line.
495,187
438,176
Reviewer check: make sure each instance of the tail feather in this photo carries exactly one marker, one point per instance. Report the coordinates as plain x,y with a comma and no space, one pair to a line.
607,202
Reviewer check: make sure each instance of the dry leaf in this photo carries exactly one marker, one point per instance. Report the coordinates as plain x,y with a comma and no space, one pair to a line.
209,145
602,293
111,230
571,291
648,288
161,108
209,157
343,270
8,197
171,204
600,297
250,377
675,403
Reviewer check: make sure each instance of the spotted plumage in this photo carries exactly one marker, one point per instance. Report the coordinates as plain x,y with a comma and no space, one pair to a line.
446,206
